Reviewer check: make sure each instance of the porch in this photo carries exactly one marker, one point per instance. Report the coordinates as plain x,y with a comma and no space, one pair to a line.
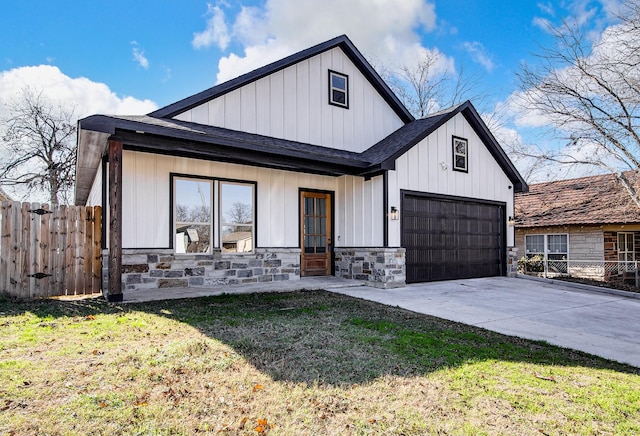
305,283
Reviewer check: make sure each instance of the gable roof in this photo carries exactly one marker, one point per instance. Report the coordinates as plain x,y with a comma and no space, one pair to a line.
383,154
159,133
341,41
586,200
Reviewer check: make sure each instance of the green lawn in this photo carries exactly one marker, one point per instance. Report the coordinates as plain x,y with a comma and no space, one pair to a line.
303,363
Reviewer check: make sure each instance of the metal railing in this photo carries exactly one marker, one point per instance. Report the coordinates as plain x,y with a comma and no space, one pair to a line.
626,272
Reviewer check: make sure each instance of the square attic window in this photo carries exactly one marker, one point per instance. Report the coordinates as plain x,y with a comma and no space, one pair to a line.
338,89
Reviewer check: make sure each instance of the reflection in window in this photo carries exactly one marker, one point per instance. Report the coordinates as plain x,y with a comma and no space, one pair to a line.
193,215
237,217
338,89
460,152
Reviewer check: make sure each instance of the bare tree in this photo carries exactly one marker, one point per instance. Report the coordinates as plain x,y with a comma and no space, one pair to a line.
589,93
431,85
239,213
39,147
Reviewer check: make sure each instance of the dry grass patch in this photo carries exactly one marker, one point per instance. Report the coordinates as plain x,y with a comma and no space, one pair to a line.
292,364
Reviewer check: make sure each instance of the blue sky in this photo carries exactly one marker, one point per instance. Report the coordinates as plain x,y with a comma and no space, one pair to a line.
133,56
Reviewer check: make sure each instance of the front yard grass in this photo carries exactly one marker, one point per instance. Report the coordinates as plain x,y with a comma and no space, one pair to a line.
302,363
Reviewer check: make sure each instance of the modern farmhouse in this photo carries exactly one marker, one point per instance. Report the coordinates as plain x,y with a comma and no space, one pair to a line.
307,166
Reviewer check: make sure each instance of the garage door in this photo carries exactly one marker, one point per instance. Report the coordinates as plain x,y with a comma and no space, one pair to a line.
451,238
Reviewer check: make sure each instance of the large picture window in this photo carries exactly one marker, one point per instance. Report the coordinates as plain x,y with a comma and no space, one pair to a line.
193,215
236,217
213,214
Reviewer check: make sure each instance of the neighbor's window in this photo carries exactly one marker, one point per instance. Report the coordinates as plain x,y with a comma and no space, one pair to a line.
237,217
626,249
193,215
551,247
338,89
460,154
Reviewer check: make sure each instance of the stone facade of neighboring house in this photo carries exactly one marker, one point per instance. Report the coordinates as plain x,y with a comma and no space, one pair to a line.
590,219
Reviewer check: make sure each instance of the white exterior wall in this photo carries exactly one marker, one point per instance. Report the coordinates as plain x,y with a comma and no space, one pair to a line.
421,169
293,104
95,194
146,190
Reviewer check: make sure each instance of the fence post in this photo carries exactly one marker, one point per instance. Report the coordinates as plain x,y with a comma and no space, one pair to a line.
636,269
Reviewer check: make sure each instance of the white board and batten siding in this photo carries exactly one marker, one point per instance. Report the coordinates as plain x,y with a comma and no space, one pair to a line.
95,194
428,167
146,201
293,104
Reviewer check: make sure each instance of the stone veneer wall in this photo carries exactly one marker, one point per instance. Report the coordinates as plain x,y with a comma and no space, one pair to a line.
161,268
512,262
378,267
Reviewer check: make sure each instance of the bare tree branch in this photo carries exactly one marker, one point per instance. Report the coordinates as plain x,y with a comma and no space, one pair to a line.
589,94
39,147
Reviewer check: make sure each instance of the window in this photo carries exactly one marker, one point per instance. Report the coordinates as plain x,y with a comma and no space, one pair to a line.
196,230
551,247
460,154
193,215
626,249
338,89
236,217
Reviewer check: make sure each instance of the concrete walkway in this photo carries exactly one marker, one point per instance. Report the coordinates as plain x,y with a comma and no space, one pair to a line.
603,324
570,316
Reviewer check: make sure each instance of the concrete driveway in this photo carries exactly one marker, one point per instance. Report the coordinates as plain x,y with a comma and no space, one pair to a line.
598,323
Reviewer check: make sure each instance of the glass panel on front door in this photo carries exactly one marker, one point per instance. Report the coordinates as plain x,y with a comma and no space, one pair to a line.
315,225
315,233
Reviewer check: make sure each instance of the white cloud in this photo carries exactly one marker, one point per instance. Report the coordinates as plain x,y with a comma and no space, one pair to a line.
543,24
86,96
139,57
282,27
547,8
216,31
479,55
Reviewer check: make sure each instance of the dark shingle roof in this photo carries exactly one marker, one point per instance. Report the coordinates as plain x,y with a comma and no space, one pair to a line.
587,200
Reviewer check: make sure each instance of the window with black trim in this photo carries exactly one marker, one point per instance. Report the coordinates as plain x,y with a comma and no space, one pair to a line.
460,154
193,215
338,89
199,227
236,217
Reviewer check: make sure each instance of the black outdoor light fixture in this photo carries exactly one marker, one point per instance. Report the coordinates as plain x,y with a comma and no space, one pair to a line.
394,213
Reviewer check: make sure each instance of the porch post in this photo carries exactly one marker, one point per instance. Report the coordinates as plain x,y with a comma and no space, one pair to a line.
114,292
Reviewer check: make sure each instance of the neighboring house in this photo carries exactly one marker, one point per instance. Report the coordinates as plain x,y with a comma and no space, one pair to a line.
4,196
316,167
585,221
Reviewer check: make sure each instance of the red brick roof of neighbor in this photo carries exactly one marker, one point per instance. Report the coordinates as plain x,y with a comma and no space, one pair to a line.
587,200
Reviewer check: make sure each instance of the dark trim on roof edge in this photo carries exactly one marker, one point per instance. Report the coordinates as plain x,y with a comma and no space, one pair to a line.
481,129
341,41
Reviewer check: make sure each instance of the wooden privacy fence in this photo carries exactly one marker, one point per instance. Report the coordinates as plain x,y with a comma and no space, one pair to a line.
49,251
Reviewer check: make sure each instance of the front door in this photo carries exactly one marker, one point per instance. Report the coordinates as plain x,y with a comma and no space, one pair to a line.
315,233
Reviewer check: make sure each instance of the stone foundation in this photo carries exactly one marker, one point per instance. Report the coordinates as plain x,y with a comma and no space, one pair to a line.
512,262
144,269
378,267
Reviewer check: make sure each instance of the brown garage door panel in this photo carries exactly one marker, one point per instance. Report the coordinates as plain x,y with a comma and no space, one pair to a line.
451,239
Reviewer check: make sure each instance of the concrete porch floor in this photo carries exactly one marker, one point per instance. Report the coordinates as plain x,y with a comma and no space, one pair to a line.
309,283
